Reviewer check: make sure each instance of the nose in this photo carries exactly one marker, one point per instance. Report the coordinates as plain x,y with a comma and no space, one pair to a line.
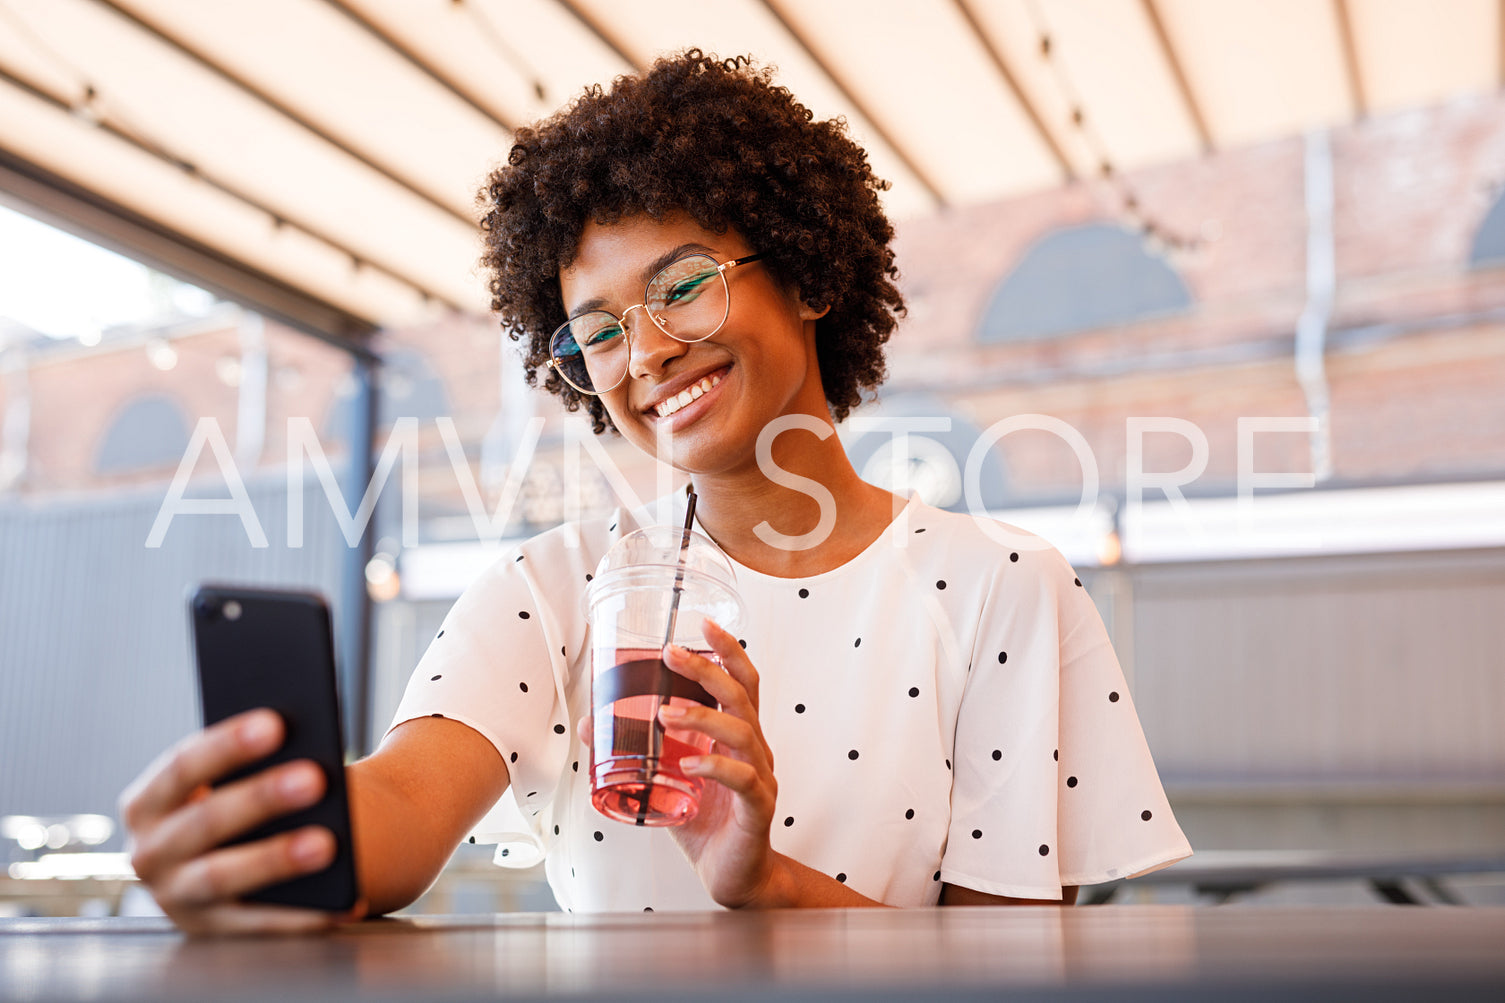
649,347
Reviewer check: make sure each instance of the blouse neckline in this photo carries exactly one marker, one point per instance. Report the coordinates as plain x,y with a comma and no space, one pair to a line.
744,573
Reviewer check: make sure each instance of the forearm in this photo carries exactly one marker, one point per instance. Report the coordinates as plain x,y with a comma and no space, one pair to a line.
394,863
792,885
413,800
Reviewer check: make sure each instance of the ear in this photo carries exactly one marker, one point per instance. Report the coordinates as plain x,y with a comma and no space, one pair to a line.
808,312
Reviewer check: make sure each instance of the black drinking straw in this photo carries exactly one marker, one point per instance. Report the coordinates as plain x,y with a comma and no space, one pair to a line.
656,733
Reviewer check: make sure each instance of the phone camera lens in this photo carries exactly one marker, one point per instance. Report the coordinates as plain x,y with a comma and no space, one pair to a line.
231,609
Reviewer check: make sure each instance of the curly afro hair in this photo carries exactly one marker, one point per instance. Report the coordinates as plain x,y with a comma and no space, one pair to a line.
717,141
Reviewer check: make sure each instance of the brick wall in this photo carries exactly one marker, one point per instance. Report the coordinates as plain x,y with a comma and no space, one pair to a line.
1416,354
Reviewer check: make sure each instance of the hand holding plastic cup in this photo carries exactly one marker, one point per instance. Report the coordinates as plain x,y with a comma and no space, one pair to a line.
655,586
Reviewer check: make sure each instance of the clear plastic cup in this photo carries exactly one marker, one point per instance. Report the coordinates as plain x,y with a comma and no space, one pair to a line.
635,775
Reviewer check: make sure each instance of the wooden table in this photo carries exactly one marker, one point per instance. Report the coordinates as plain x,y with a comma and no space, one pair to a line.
1106,952
1222,874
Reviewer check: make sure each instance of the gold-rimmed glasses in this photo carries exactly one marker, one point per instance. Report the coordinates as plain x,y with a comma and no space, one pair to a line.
688,299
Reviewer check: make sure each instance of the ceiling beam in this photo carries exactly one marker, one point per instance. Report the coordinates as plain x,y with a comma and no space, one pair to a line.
603,34
1012,83
1351,69
1178,73
412,57
164,35
931,188
77,210
274,216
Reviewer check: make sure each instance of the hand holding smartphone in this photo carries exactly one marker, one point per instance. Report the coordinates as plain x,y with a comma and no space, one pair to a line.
272,648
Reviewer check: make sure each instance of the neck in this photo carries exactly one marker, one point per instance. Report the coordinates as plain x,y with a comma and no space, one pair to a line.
818,514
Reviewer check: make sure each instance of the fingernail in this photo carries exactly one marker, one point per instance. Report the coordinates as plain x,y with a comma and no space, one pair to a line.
676,652
259,731
298,785
310,847
671,712
692,764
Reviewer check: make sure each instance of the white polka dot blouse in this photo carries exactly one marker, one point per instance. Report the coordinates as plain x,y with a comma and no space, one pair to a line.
943,708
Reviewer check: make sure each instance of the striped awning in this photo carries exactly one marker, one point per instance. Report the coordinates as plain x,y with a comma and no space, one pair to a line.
319,159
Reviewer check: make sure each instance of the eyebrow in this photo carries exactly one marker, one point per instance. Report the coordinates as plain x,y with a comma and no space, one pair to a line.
649,270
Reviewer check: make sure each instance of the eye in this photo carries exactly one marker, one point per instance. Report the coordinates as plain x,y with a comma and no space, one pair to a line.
594,332
606,334
689,287
681,282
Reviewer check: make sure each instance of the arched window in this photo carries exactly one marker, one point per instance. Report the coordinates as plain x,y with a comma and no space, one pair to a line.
1079,278
148,433
1489,239
937,461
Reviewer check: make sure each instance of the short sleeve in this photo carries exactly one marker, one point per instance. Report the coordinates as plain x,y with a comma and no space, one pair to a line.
499,665
1053,780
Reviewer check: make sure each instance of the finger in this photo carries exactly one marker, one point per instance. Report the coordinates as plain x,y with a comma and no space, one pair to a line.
733,733
737,776
723,688
226,812
197,760
733,657
584,728
227,874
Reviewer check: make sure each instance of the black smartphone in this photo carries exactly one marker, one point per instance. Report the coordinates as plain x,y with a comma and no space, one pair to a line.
274,648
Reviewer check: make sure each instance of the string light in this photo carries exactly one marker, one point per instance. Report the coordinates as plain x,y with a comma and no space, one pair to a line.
1158,239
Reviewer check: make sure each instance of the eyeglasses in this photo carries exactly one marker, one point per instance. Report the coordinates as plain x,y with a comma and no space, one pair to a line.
688,299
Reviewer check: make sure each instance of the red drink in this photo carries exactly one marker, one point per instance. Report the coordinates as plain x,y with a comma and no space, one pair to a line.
654,586
635,774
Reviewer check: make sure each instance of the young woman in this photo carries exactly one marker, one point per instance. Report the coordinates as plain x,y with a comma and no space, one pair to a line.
706,270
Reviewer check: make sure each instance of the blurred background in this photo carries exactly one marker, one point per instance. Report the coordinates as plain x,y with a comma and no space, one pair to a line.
1158,254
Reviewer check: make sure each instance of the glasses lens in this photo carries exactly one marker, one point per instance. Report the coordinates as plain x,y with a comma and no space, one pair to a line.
688,298
590,351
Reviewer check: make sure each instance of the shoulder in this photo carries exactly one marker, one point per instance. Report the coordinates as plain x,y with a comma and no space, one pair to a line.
995,571
572,541
563,557
554,562
984,543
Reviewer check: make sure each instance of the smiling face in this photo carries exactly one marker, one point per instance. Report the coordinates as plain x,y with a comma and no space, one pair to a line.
714,396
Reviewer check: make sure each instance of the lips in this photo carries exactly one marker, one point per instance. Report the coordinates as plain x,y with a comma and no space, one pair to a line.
686,394
665,408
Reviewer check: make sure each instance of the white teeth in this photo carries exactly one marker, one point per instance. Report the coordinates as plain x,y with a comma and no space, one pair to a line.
679,400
